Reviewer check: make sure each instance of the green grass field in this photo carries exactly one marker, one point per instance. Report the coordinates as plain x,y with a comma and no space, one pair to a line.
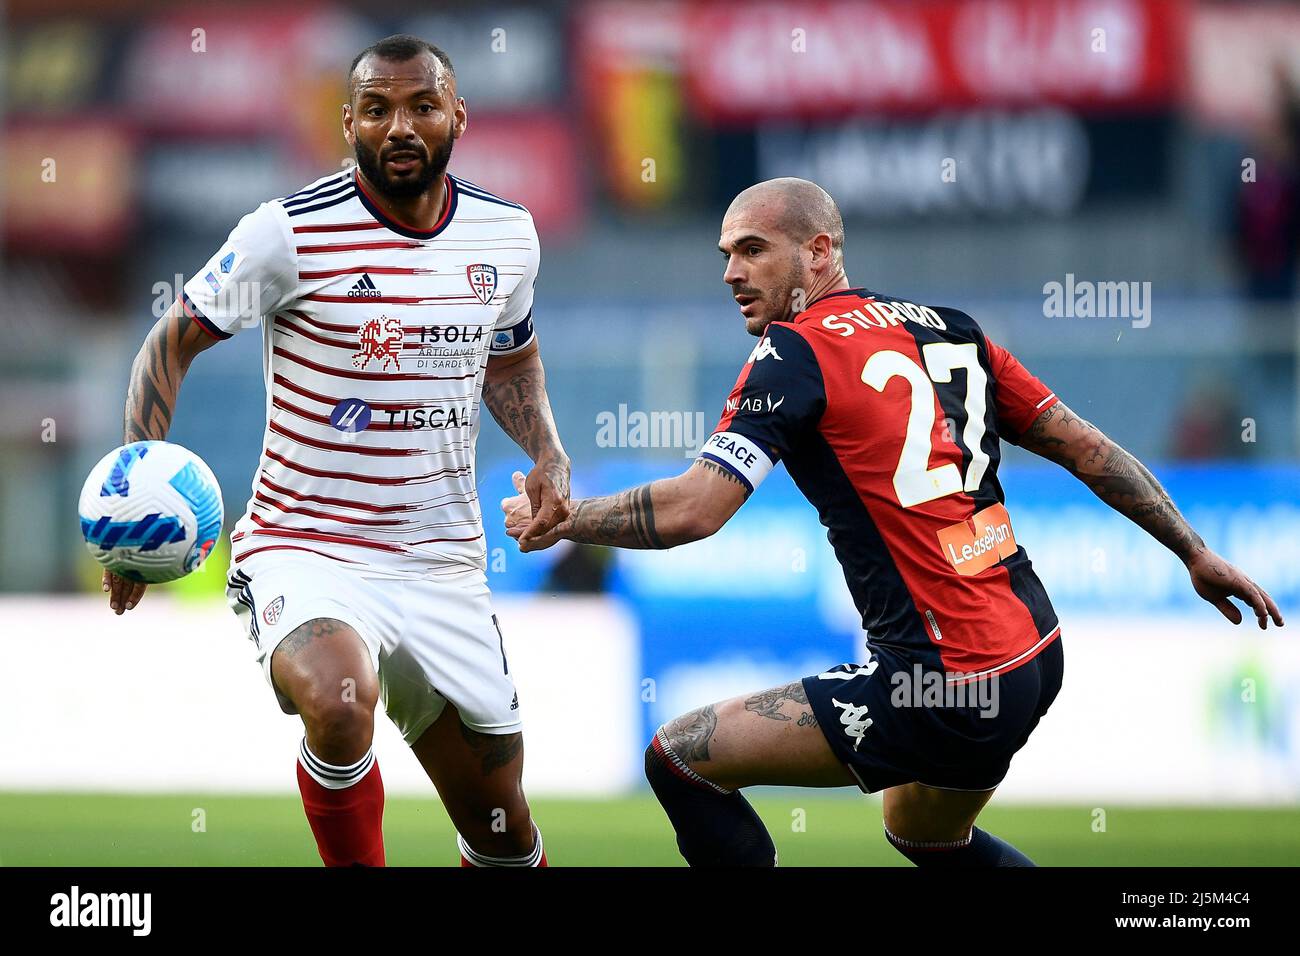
59,829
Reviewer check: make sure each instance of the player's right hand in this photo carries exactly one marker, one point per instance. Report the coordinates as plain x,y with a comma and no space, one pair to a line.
1216,580
519,518
122,594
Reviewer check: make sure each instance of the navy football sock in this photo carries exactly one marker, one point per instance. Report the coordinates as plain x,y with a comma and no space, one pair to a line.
715,826
979,849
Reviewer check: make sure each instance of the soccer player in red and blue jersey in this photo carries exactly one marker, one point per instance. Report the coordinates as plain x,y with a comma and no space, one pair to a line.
889,417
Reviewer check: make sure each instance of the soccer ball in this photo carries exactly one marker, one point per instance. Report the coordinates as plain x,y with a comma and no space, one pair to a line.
151,511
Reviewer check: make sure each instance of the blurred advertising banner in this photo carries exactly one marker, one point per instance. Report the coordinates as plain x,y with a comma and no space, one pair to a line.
786,60
654,77
169,698
241,73
628,74
68,186
505,57
748,62
1042,161
1242,59
1169,708
58,66
998,163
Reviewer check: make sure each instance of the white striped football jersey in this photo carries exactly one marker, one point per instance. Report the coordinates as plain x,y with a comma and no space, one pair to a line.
375,340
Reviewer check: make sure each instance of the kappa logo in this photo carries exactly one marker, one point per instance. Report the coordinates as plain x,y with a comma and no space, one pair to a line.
364,288
762,350
855,720
482,281
271,613
380,338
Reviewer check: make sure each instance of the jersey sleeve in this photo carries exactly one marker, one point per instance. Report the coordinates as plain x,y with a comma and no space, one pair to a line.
778,398
253,274
1020,396
514,327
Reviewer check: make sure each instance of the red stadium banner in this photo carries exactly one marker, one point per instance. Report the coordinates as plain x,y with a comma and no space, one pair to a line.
207,71
531,160
783,60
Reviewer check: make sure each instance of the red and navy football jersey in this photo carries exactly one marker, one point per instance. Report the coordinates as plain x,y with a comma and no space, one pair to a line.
888,416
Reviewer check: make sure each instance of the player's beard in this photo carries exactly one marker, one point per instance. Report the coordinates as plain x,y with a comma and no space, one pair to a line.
371,167
784,296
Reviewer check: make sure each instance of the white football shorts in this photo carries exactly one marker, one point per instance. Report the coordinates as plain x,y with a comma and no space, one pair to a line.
430,641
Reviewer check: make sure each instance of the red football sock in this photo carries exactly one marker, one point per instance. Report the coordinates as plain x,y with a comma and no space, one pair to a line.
347,817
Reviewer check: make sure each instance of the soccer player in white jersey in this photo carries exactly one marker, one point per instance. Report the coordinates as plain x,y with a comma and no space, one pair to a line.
393,299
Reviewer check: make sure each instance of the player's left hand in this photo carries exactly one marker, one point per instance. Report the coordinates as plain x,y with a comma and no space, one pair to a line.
1216,580
518,509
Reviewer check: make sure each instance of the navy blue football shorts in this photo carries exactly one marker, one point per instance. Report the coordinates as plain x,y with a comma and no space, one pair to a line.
892,722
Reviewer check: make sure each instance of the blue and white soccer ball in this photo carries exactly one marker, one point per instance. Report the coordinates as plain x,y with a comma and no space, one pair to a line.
151,511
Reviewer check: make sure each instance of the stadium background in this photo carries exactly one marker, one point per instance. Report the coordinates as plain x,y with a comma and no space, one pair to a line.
980,152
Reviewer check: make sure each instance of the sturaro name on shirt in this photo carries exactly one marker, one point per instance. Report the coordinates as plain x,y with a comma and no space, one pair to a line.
878,315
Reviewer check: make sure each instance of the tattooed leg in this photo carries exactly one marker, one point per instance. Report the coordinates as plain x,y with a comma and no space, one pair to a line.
323,667
494,751
689,734
478,777
767,738
768,703
697,763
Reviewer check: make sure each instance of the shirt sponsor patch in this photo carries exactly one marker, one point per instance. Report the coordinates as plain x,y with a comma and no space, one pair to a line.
980,542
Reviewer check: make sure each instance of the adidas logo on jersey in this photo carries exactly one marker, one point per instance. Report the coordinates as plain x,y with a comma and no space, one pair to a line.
364,289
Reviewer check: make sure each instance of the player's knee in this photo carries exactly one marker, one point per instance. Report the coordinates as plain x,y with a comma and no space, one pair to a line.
339,716
925,815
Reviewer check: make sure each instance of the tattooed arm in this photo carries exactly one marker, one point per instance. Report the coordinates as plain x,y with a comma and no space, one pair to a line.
661,514
156,374
514,391
1124,483
151,393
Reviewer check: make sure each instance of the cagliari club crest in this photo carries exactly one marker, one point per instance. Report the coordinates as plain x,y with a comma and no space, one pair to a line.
380,338
482,280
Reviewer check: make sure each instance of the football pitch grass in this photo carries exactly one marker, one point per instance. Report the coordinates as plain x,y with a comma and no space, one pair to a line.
810,829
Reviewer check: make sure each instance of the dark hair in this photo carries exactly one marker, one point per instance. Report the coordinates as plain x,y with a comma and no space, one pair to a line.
401,47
